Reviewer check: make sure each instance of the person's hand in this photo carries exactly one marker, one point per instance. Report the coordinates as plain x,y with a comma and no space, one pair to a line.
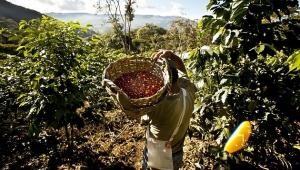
162,54
170,55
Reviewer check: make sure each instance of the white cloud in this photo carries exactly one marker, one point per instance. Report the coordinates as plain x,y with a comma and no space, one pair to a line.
72,5
163,8
145,4
142,3
45,6
152,7
177,9
50,2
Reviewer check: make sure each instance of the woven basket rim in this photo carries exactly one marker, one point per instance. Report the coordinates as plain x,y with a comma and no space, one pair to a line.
163,66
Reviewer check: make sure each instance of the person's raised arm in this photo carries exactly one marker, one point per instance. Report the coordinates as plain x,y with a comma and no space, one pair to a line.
170,55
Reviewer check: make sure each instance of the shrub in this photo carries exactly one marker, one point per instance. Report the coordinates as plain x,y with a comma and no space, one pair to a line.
54,54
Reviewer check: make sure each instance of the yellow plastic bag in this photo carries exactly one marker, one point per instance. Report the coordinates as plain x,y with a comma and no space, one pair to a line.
239,138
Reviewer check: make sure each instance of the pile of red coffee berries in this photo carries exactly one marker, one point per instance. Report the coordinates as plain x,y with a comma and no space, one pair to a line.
139,84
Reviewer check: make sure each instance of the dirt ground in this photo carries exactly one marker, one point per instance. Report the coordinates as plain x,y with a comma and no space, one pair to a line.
112,142
125,141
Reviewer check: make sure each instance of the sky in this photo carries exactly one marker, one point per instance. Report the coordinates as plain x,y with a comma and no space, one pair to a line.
193,9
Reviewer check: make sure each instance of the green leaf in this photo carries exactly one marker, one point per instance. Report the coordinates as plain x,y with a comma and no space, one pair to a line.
31,130
234,42
197,106
21,96
22,24
31,111
228,38
23,104
221,48
25,53
218,34
236,4
20,47
200,83
206,22
294,61
75,26
239,10
14,38
270,46
223,81
194,53
224,96
207,49
296,147
202,110
260,48
210,4
252,105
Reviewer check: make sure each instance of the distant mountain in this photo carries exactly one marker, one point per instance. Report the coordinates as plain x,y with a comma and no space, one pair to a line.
100,24
17,13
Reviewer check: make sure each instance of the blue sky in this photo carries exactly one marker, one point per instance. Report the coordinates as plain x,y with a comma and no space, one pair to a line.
192,9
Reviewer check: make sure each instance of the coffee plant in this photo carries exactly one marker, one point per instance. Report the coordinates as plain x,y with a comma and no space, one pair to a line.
52,68
245,75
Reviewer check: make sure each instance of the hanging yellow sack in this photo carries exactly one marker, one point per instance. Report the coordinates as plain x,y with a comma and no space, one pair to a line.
239,138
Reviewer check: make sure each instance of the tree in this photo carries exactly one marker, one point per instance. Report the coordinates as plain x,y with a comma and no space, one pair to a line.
120,20
128,19
182,35
151,37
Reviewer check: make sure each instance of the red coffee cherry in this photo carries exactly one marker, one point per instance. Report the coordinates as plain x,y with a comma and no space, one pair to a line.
139,84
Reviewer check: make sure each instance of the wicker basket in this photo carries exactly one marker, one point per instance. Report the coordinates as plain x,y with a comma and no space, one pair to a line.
116,69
